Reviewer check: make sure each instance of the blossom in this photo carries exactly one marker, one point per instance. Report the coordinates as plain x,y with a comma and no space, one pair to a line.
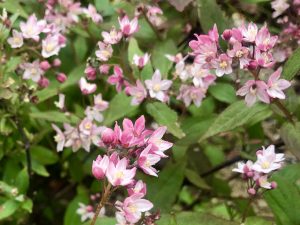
249,33
263,182
128,27
276,85
174,58
117,78
45,65
253,90
85,87
147,160
133,206
61,101
50,46
222,65
99,103
138,188
241,53
141,61
16,41
279,7
191,94
92,113
159,145
245,168
138,93
264,59
59,138
117,174
100,166
90,73
91,12
264,41
85,211
158,87
201,77
32,71
104,52
181,70
32,28
112,37
61,77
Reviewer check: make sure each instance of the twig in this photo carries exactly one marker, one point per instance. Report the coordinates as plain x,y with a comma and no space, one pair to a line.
286,112
245,213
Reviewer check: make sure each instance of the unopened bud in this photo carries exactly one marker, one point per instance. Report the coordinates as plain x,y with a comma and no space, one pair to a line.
61,77
45,65
56,62
251,191
108,136
273,185
250,174
43,82
252,65
90,73
227,34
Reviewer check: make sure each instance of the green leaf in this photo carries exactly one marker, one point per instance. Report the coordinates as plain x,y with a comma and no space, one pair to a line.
159,60
119,107
292,66
193,218
43,155
163,115
103,221
22,181
223,92
8,208
53,116
27,205
163,191
233,116
290,135
210,13
13,6
133,48
284,201
104,7
195,179
39,169
254,220
81,48
12,64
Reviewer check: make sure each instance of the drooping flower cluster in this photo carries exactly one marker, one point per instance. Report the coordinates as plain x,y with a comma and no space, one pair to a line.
250,49
257,174
128,149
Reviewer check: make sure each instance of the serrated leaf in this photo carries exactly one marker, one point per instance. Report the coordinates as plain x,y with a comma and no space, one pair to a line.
119,107
163,115
290,134
292,66
223,92
12,64
233,116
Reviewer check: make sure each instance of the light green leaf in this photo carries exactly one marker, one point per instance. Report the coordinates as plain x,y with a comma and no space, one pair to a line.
292,66
81,48
119,107
13,6
22,181
103,221
223,92
133,48
27,205
253,220
43,155
8,208
39,169
104,7
290,134
163,115
233,116
53,116
12,64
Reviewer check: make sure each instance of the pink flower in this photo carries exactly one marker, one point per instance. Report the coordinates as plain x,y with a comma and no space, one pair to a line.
32,28
174,58
108,136
99,103
117,78
32,71
16,41
264,59
141,61
241,53
201,76
158,87
137,92
133,206
159,145
50,46
263,182
264,41
268,160
56,62
276,85
85,87
105,51
85,212
45,65
254,90
147,160
92,113
138,188
91,12
43,82
100,166
104,69
90,73
128,27
181,70
279,7
249,33
222,65
117,174
245,168
113,37
59,138
191,94
61,77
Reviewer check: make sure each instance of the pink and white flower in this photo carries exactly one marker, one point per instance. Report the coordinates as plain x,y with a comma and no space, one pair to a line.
128,27
32,28
138,93
91,12
85,87
201,76
264,41
50,46
117,78
147,160
159,145
59,138
138,188
61,102
241,53
104,52
277,85
222,65
16,41
279,7
263,182
100,166
112,37
141,61
249,33
32,71
99,103
85,212
191,94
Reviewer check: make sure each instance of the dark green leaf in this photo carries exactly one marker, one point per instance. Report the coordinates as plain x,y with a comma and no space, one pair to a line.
292,66
195,179
43,155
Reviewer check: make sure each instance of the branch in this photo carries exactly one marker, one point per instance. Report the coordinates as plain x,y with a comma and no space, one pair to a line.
286,112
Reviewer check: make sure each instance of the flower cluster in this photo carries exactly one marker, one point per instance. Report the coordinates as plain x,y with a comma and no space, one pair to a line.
258,173
128,149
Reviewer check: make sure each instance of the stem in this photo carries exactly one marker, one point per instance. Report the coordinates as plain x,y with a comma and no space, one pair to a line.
245,213
152,26
286,112
102,202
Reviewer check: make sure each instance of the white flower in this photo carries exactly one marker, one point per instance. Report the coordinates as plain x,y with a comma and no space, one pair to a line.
61,101
32,71
16,41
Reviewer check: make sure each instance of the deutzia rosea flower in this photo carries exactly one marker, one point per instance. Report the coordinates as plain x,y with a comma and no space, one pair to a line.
159,145
249,33
99,103
85,212
112,37
279,7
117,78
138,188
105,51
50,46
100,166
141,61
222,65
253,90
32,71
245,168
61,102
138,93
16,41
201,76
264,41
128,27
241,53
277,85
264,59
85,87
59,138
191,94
147,160
91,12
158,87
32,28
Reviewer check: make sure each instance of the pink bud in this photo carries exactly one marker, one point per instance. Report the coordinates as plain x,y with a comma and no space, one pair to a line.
108,136
45,65
43,82
252,65
90,73
104,69
227,34
251,191
259,152
89,208
100,166
250,174
61,77
273,185
51,2
56,62
62,40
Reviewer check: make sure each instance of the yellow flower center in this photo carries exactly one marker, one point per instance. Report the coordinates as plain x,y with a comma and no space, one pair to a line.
239,54
265,165
223,64
156,87
88,126
132,209
49,47
119,174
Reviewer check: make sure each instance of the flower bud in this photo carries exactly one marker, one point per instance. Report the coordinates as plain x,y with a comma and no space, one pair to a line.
56,62
62,40
99,167
273,185
43,82
104,69
89,208
45,65
227,34
90,73
250,174
251,191
108,136
252,65
61,77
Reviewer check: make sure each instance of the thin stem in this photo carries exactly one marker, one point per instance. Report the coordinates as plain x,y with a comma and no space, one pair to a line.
102,202
245,213
286,112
